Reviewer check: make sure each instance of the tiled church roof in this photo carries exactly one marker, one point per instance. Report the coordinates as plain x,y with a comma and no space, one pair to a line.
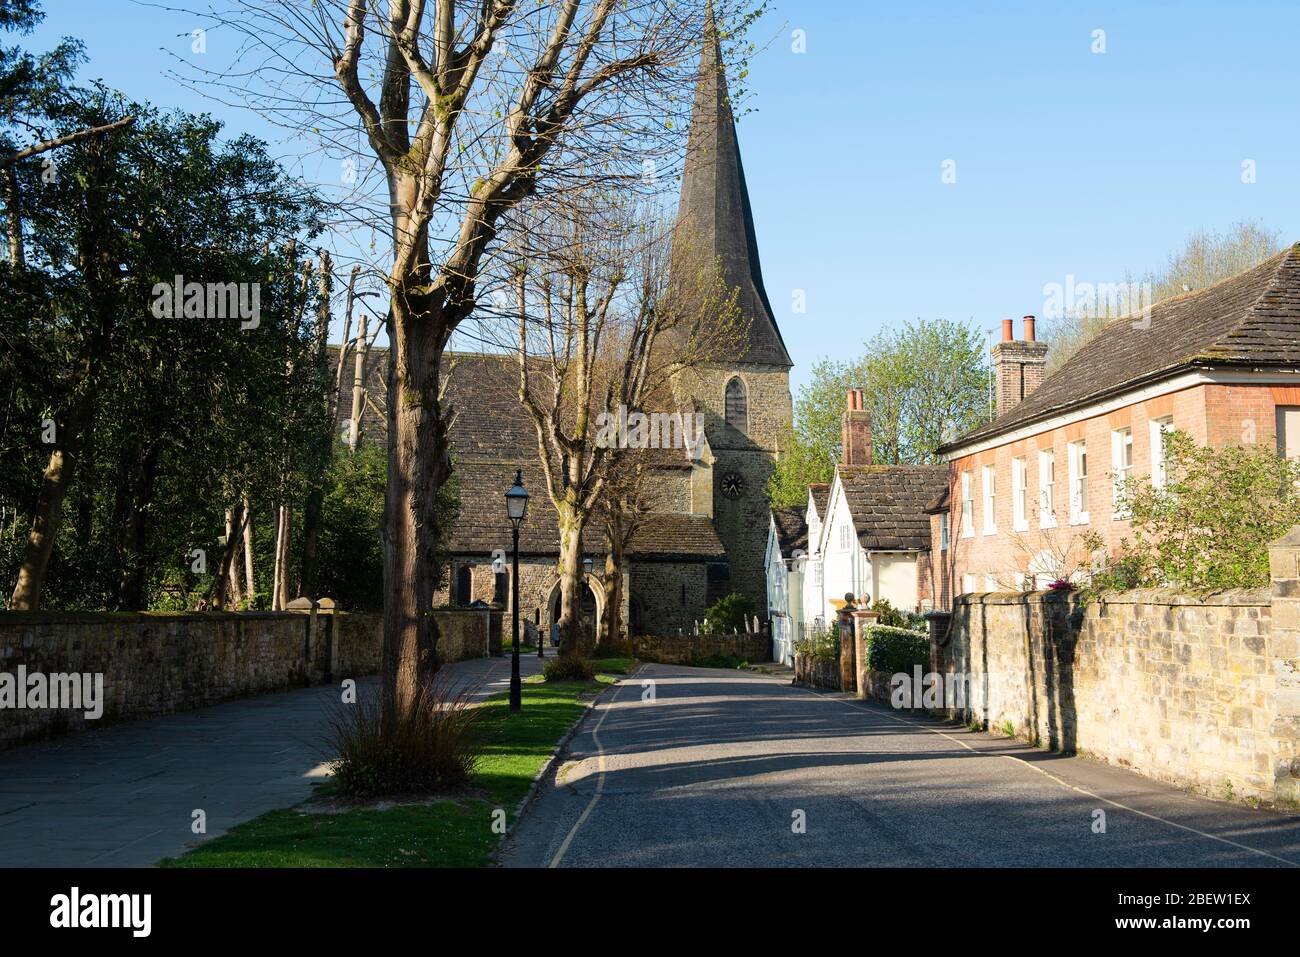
1251,319
491,437
888,503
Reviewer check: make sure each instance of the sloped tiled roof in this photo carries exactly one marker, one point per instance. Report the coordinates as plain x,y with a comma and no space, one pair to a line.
1251,319
492,436
888,503
821,492
791,528
481,523
940,502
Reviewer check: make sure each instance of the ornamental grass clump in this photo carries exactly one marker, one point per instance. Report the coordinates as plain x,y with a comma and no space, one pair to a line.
570,667
429,748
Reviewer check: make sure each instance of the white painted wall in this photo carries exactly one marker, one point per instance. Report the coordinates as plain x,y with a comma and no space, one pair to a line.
845,568
894,579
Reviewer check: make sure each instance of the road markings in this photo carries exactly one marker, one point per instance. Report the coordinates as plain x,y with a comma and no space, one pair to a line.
600,780
1050,776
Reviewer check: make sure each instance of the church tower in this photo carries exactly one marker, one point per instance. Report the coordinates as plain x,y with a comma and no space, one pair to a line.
745,395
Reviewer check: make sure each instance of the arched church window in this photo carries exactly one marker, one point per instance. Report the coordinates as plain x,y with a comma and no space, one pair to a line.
737,405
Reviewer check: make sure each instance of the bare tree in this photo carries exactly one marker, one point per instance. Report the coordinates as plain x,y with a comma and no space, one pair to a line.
602,334
468,109
1202,260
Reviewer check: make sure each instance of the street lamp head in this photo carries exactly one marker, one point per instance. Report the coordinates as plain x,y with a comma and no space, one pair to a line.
517,500
586,566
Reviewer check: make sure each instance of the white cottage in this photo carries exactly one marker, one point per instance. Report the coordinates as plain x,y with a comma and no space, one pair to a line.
786,564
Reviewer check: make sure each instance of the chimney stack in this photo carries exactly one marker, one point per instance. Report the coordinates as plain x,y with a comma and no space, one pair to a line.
1019,365
855,430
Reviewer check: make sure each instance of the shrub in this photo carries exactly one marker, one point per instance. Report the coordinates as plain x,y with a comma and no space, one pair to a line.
1209,527
719,659
896,649
822,643
569,668
430,748
887,614
728,614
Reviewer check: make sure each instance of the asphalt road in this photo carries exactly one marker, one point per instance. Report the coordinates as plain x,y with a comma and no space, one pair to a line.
722,767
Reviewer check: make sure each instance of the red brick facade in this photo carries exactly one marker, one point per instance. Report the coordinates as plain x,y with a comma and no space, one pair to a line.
1000,557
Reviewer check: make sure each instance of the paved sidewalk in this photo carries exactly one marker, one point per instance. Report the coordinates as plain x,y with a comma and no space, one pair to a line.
123,796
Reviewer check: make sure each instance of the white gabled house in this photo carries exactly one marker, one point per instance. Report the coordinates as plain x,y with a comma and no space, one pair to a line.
786,564
875,540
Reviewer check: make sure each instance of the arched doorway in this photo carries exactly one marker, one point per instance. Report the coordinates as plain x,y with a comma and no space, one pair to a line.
591,610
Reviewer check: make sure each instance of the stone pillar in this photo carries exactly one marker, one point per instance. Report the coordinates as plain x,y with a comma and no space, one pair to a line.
848,648
936,624
862,620
1284,652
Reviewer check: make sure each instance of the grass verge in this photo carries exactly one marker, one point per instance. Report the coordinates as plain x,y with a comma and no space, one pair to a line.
614,666
444,833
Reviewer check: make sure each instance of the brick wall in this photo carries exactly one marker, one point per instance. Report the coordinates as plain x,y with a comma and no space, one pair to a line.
1202,694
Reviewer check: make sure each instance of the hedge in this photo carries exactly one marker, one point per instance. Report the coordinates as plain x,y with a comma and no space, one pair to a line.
896,649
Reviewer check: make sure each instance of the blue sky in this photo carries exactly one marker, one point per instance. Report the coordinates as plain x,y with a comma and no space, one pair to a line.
1068,162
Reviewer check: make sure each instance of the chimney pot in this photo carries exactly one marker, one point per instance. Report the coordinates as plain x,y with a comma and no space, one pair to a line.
1029,329
1008,330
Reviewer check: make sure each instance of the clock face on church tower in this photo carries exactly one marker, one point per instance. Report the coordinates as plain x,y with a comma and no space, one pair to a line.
733,486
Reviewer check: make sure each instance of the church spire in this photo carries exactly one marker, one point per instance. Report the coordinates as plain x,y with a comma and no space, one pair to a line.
714,218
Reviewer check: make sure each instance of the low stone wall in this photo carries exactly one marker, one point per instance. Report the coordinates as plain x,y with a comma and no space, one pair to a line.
875,685
1196,692
151,663
817,672
465,633
155,663
685,649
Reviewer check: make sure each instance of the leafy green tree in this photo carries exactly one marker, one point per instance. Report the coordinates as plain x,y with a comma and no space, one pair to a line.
924,383
1209,527
729,614
159,420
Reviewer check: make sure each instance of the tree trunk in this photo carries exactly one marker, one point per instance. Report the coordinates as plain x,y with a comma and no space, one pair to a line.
250,581
15,218
55,483
281,587
310,540
135,572
611,634
235,580
235,531
419,464
359,386
571,522
325,439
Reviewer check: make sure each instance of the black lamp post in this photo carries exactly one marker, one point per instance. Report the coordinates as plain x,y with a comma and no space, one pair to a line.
516,509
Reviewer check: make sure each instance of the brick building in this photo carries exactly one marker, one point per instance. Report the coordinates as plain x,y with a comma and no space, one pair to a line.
1221,364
